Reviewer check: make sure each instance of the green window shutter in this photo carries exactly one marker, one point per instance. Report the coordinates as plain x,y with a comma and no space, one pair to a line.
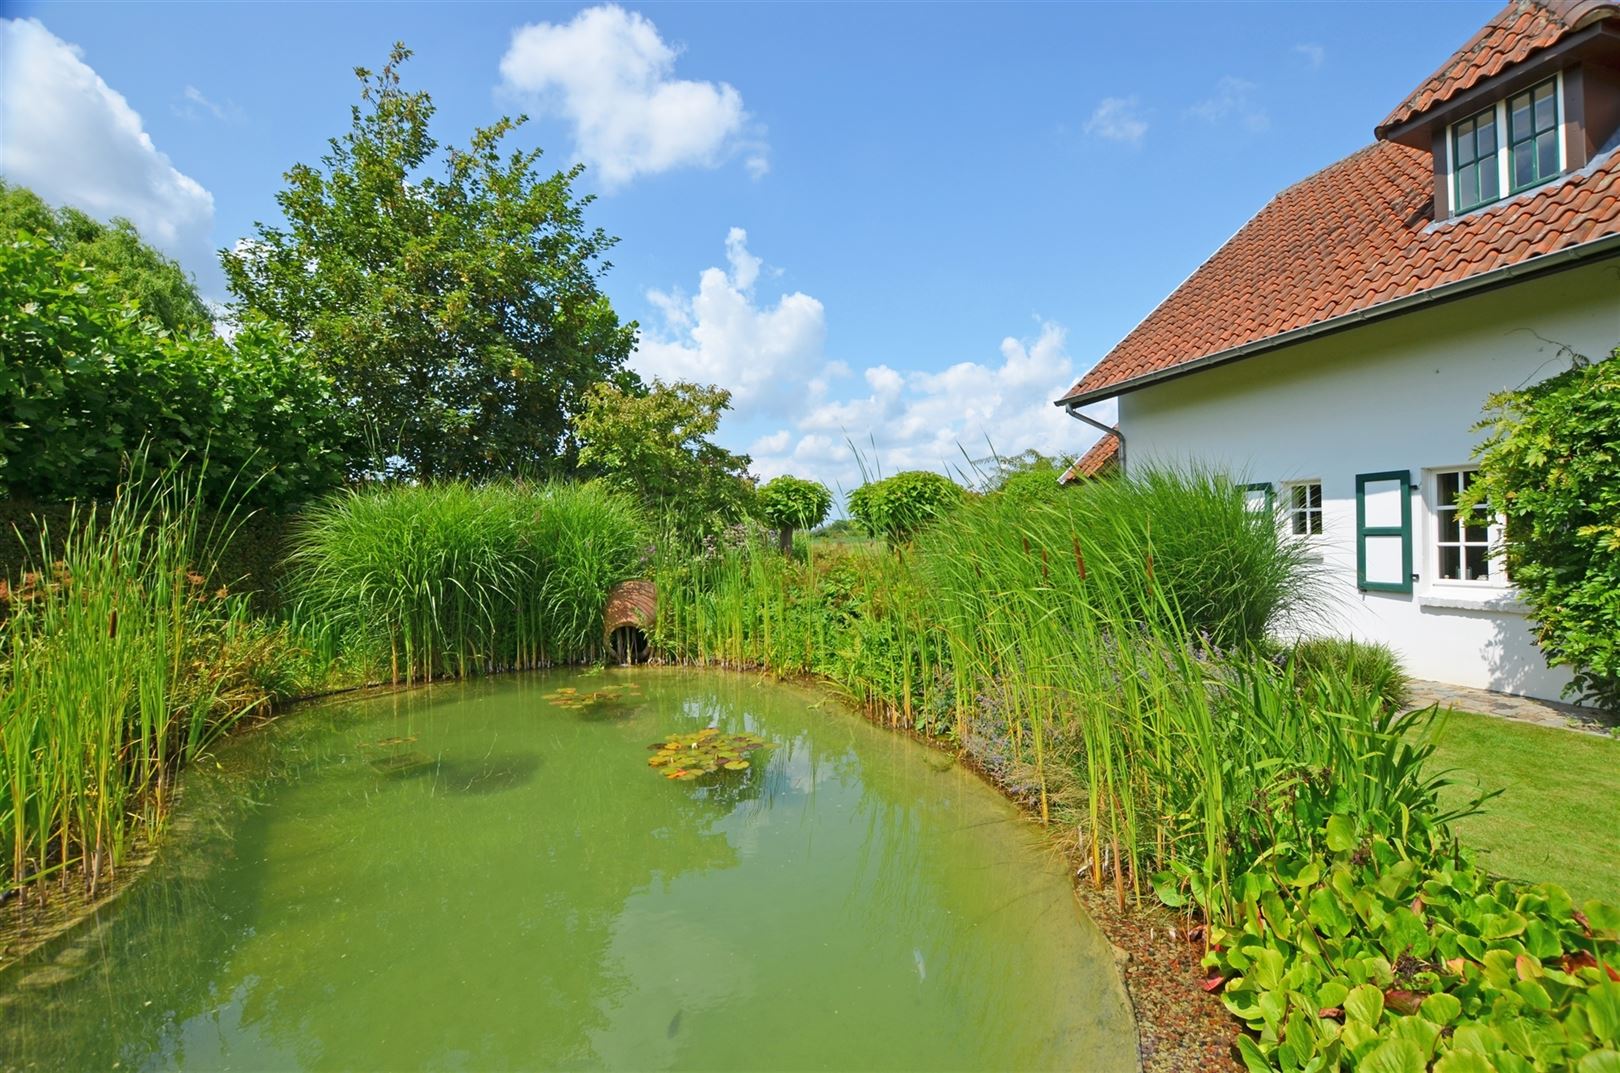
1384,531
1270,493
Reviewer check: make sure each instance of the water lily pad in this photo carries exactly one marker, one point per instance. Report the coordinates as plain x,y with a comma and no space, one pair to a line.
691,756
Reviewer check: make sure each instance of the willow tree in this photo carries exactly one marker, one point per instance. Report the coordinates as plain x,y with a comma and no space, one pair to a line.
459,313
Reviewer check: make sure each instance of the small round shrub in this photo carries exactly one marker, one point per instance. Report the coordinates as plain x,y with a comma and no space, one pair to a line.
897,507
787,503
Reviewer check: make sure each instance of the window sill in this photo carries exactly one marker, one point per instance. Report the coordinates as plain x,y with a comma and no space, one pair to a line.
1501,601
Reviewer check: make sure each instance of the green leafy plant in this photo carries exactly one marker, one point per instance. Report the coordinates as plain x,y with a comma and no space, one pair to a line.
897,507
1551,463
1377,954
787,503
88,380
692,756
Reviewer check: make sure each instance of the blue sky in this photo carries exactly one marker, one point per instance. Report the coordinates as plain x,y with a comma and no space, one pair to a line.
905,224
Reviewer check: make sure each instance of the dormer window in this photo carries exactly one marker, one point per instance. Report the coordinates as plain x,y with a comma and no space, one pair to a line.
1511,146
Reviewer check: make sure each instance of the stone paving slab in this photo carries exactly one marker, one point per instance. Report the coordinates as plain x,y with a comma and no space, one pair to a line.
1547,713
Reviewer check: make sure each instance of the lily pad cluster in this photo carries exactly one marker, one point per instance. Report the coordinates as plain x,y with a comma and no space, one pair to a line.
575,700
692,756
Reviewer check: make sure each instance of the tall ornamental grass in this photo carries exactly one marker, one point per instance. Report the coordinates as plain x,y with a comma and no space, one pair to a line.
119,661
457,579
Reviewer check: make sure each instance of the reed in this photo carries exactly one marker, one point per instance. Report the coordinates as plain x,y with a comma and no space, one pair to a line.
454,579
118,663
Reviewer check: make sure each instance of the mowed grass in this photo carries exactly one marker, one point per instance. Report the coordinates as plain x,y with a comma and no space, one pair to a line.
1558,818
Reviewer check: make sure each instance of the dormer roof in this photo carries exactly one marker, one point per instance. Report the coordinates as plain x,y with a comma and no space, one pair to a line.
1513,35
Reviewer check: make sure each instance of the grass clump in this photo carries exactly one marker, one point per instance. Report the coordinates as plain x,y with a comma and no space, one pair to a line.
456,579
1368,667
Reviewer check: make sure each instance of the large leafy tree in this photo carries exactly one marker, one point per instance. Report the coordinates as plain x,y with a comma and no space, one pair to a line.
89,379
657,445
1551,463
459,314
159,287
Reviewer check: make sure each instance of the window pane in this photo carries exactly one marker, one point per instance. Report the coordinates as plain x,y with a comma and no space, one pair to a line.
1467,185
1315,491
1485,135
1448,530
1447,484
1462,146
1479,564
1546,107
1296,495
1316,523
1524,165
1489,181
1519,116
1450,564
1547,154
1298,522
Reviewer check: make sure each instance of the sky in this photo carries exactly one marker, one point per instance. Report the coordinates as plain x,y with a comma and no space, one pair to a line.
898,228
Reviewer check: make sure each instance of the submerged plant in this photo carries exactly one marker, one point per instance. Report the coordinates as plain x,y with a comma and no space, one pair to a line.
571,698
691,756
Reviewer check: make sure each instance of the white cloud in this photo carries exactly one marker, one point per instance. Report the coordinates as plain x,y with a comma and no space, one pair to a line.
75,141
610,74
1315,55
767,354
795,410
1118,119
1233,100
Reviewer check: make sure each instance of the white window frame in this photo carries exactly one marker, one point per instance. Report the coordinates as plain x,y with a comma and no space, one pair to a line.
1287,510
1504,165
1498,581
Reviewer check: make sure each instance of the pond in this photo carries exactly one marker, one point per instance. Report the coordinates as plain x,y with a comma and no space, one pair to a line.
491,876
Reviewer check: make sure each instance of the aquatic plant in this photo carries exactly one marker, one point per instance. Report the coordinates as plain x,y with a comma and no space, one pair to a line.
119,661
691,756
456,579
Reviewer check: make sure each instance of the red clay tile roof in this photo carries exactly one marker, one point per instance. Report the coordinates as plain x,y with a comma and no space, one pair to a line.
1350,237
1103,454
1512,35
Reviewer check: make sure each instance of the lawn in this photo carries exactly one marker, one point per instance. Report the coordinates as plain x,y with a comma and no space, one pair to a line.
1558,817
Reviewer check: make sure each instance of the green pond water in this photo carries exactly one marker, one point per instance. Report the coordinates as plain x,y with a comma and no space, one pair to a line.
474,877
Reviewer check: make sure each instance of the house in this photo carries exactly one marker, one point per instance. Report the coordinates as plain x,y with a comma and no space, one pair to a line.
1337,351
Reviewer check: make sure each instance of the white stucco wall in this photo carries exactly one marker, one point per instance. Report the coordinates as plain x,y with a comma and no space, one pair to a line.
1400,394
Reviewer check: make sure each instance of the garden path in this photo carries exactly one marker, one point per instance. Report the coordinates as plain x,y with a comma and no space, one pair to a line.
1545,713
